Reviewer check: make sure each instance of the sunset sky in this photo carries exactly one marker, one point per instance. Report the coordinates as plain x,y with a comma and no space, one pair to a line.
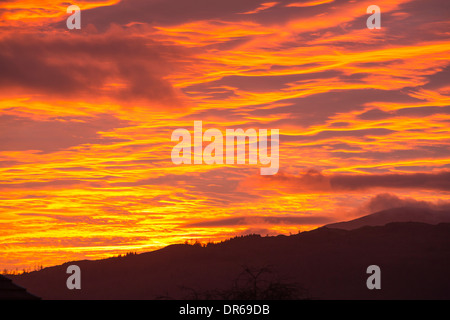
86,118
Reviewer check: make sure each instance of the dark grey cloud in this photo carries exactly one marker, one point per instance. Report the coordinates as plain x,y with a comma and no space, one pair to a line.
260,220
331,134
315,180
438,79
261,83
377,114
424,181
412,20
374,114
423,148
384,201
216,187
171,12
81,66
20,133
318,108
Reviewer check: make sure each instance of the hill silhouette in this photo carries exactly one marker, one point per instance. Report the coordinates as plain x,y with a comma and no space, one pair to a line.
10,291
402,214
329,263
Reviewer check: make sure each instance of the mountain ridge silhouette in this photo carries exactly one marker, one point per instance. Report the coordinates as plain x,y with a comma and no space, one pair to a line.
399,214
330,263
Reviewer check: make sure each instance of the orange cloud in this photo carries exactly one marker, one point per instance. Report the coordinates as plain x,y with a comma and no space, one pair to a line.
262,7
308,3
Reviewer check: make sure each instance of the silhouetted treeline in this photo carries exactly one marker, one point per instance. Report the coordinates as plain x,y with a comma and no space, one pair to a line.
252,283
16,271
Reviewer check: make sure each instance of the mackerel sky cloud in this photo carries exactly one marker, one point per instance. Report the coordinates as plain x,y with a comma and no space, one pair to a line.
86,118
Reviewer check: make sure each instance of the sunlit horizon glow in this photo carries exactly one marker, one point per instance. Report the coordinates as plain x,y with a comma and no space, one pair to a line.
86,118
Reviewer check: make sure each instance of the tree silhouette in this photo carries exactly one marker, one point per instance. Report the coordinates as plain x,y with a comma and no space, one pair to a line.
254,284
